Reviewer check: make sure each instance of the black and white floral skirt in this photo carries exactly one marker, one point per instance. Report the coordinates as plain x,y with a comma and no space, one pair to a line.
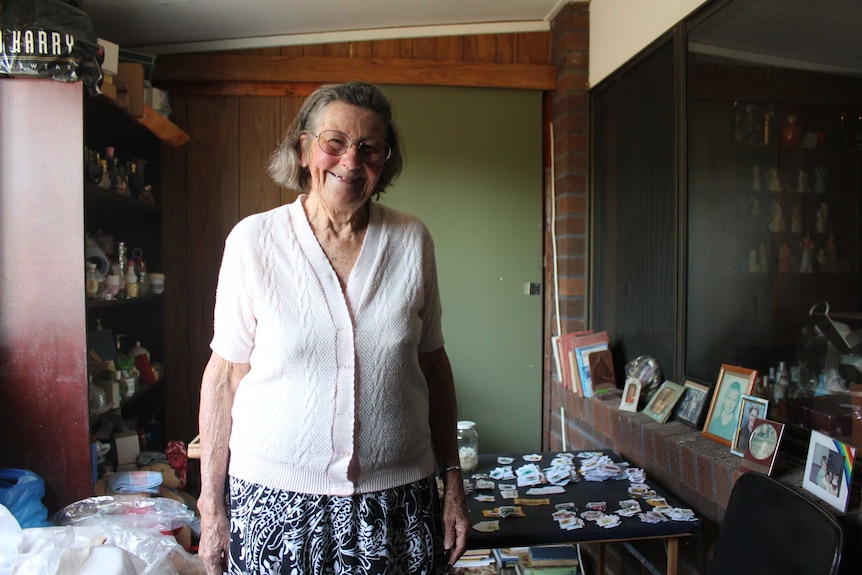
392,532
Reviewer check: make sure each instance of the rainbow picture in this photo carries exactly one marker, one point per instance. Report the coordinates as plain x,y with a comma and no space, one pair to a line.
849,454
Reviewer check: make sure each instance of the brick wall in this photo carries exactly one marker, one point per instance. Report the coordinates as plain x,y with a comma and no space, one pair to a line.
570,43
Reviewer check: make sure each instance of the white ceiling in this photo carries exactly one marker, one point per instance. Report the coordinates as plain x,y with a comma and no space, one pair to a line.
166,26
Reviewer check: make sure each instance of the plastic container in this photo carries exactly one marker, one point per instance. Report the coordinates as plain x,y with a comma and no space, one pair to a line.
157,283
468,446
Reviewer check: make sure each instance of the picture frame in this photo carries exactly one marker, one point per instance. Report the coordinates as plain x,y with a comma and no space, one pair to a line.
690,408
751,408
582,360
723,416
662,402
603,378
829,469
631,395
762,449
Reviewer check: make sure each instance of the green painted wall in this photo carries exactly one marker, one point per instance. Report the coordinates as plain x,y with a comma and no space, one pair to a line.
474,176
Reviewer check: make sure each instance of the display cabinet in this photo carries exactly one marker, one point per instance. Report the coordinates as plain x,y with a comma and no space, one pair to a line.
123,222
774,240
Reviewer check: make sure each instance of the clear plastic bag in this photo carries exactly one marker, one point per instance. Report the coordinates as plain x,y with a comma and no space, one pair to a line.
158,513
119,537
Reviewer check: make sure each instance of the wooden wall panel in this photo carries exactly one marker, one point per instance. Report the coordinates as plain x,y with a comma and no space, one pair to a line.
518,60
441,48
480,48
535,47
259,130
506,49
213,198
181,382
392,48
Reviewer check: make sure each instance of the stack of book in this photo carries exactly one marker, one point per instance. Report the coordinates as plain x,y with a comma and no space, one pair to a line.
475,562
552,560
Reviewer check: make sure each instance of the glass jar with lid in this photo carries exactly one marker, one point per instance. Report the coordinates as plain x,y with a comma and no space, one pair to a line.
468,446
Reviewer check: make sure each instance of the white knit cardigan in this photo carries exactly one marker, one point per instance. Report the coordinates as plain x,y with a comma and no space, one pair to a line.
334,382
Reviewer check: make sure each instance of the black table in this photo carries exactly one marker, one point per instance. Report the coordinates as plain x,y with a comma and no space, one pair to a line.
538,526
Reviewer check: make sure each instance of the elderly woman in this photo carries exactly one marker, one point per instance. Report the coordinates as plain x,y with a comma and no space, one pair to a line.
328,402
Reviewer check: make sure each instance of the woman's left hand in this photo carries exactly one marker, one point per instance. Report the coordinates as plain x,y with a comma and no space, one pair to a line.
456,519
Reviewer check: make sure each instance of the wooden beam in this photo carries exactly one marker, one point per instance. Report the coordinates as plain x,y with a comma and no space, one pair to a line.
237,68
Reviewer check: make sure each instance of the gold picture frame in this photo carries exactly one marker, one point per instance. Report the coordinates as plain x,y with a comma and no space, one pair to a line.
723,415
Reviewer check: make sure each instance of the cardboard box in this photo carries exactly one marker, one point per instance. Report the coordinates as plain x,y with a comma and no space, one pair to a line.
130,79
128,447
112,56
108,87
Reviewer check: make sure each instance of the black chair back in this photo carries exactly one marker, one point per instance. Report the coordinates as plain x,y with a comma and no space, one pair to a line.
769,528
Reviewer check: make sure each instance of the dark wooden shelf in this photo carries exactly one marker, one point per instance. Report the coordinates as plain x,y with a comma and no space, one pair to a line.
98,197
151,122
100,303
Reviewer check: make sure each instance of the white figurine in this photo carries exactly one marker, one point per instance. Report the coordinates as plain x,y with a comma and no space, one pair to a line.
754,207
774,182
753,264
821,259
802,182
777,223
823,218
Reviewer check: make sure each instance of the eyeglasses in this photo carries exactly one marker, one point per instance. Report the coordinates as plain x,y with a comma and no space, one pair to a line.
337,143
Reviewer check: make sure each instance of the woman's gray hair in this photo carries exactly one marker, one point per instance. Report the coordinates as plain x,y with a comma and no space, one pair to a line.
285,166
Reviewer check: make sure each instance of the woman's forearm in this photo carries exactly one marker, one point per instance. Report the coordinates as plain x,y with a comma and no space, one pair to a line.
220,381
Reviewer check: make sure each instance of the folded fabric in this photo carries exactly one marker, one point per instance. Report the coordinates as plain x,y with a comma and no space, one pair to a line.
135,482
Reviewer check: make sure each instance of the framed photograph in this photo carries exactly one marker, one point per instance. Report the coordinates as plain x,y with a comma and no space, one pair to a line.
690,410
723,414
631,395
661,404
582,359
602,376
828,469
751,408
762,449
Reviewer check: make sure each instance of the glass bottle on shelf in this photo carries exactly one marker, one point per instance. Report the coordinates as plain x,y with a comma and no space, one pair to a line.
91,281
131,280
105,180
468,446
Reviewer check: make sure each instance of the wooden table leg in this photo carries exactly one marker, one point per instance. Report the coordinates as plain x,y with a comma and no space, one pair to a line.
600,561
672,555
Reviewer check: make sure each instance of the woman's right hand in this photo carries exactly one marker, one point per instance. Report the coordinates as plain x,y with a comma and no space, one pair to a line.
214,546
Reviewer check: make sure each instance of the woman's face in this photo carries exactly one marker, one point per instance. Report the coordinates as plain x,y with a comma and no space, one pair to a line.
752,417
343,182
730,400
